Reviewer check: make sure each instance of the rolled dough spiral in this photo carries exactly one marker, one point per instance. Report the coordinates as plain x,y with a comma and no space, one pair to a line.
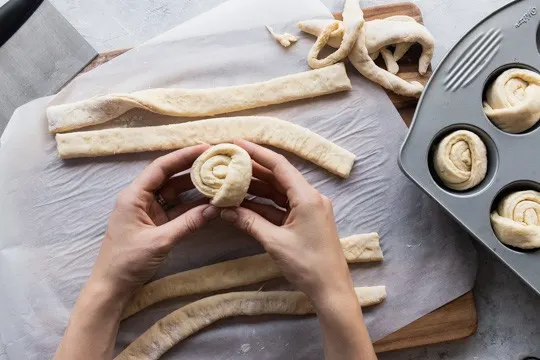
461,160
516,221
513,100
223,173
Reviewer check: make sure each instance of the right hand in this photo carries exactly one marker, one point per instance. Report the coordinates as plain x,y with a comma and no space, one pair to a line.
303,240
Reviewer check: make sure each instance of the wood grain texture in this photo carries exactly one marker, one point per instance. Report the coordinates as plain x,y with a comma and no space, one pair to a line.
457,319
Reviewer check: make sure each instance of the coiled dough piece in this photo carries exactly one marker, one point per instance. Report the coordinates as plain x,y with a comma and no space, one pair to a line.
197,315
516,221
513,100
223,174
353,21
461,160
239,272
258,129
200,102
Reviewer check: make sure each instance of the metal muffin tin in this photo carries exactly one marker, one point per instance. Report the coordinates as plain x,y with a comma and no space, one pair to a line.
452,100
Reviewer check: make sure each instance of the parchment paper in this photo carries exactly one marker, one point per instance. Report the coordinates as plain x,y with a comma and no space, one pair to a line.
54,212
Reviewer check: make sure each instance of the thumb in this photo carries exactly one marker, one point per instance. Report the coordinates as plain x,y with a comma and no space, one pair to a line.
189,221
250,222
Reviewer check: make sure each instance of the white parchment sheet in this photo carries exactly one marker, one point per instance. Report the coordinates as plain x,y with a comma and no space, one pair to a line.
54,212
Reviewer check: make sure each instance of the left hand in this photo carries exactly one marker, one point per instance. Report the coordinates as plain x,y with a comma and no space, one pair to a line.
141,232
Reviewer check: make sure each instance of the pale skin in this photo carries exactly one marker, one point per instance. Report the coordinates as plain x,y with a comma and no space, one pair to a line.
303,242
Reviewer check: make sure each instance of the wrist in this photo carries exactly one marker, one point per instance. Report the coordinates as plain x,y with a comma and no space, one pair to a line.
105,296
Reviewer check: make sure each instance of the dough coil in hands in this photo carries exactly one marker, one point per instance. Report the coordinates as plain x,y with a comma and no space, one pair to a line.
513,100
190,319
200,102
516,220
238,272
223,174
460,160
258,129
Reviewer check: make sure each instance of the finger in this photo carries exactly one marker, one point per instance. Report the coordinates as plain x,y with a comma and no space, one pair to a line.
251,222
188,222
161,169
178,210
269,212
264,190
285,174
262,173
175,186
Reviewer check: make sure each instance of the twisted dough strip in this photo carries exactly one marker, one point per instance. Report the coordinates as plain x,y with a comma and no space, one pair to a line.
513,100
239,272
188,320
200,102
353,22
516,221
223,173
258,129
360,55
461,160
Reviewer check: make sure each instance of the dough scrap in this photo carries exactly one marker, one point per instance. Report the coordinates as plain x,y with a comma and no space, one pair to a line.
284,39
376,35
223,174
516,221
513,100
239,272
190,319
199,102
460,160
353,22
258,129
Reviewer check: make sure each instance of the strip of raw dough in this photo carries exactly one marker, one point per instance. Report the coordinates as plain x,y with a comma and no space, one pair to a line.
200,102
516,221
239,272
284,39
353,22
190,319
223,174
259,129
513,100
461,160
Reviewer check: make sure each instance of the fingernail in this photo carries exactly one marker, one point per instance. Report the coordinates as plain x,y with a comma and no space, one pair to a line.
211,212
229,215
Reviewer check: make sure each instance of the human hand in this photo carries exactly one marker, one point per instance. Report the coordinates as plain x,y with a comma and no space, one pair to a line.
302,240
141,232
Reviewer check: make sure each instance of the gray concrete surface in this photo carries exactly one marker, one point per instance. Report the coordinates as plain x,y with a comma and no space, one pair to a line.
509,313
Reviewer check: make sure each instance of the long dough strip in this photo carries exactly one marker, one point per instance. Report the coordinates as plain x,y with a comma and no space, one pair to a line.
239,272
190,319
259,129
200,102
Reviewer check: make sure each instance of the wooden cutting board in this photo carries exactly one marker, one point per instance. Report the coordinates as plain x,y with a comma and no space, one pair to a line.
457,319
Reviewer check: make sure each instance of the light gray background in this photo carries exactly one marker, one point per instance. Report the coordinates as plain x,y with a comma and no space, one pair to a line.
509,316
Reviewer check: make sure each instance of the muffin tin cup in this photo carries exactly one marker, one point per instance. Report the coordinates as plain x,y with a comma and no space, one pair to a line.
452,100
